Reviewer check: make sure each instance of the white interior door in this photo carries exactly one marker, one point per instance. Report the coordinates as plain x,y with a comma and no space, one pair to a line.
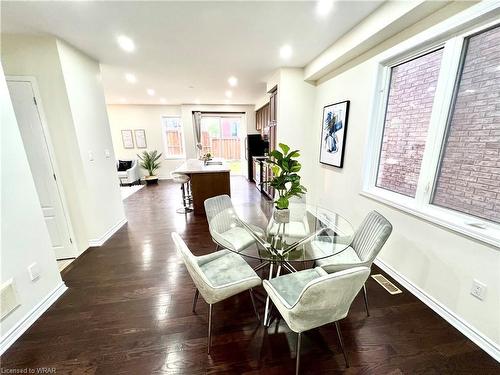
35,145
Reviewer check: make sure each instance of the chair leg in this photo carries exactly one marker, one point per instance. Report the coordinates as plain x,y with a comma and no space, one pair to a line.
217,247
209,327
195,299
253,303
339,334
297,361
366,300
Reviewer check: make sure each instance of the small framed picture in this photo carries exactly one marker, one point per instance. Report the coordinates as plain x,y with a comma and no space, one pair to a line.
140,138
127,139
333,133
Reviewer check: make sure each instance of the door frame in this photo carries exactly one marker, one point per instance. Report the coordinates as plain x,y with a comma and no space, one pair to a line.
60,190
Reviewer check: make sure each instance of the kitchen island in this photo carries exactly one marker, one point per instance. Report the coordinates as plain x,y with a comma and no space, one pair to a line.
207,180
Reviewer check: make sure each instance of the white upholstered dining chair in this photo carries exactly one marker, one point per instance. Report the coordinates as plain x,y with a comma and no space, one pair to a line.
366,244
224,225
312,298
217,276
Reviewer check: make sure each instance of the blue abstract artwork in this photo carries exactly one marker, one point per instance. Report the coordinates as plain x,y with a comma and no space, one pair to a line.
333,131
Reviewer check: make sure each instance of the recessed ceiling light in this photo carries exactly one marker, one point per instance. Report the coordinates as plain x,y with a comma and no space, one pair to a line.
229,94
323,7
286,51
233,81
197,101
130,78
126,43
123,100
151,92
163,101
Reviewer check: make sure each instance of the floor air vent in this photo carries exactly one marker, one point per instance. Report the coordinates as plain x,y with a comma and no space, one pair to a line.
386,284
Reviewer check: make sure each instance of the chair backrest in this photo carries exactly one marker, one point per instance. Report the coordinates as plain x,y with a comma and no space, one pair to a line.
328,298
371,236
220,214
191,263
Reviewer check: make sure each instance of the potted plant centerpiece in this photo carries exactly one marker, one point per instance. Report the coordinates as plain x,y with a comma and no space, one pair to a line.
149,161
285,180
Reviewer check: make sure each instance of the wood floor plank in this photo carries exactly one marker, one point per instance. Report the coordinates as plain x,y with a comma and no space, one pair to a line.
128,311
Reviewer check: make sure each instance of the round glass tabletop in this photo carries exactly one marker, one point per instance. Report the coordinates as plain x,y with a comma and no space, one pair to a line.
304,233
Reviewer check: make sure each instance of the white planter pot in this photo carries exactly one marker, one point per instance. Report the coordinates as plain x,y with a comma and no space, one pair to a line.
282,216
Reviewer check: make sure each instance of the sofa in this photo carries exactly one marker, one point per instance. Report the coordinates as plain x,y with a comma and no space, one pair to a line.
128,172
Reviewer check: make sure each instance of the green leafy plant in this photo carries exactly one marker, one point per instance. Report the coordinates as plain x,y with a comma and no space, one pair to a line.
286,181
149,161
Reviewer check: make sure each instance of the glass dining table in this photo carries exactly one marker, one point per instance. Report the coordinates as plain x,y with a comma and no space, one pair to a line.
309,233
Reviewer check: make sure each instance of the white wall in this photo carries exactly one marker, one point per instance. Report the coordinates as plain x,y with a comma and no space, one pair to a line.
148,117
82,76
439,262
38,57
75,111
24,236
296,99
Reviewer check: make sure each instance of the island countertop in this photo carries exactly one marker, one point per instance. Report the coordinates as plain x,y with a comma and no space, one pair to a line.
191,166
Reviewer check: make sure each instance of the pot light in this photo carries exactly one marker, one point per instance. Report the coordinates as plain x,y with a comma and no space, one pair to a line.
163,101
229,94
151,92
130,78
233,81
286,51
123,100
126,43
197,101
323,7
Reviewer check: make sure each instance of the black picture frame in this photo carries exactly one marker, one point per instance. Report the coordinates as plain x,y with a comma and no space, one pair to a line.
331,148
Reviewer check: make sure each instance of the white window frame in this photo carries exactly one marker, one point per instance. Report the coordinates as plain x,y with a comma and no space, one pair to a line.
164,139
442,35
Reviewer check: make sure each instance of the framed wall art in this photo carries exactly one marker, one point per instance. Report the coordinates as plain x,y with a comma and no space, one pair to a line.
140,138
127,139
333,133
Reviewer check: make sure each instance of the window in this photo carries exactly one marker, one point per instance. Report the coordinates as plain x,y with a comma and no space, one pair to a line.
220,135
436,140
469,175
407,117
173,141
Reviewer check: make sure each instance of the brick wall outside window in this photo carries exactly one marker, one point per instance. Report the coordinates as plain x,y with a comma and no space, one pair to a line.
409,108
469,179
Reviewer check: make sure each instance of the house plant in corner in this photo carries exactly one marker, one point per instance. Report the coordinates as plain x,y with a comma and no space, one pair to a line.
285,180
149,161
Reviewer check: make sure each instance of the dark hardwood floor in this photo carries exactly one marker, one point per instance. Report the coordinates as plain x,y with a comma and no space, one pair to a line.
128,310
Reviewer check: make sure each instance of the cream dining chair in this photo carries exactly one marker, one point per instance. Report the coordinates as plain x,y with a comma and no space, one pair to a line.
224,225
312,298
217,276
366,244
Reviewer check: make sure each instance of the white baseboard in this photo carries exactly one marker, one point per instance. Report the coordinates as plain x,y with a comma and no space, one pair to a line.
485,343
15,332
106,236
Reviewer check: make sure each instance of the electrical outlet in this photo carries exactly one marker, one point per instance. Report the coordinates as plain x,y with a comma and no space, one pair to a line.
107,154
34,271
478,290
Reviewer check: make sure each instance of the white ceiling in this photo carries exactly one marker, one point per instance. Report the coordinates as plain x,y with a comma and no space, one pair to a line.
187,50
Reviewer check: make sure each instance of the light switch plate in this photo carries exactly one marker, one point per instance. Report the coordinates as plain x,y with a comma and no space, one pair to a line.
34,271
478,290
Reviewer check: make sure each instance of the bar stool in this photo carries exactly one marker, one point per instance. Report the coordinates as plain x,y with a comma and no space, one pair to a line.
184,180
